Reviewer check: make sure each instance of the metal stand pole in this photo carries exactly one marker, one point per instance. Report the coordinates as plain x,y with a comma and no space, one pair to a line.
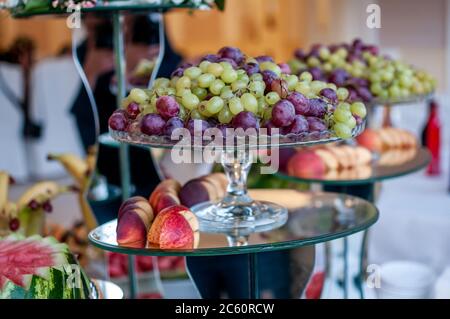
119,55
253,276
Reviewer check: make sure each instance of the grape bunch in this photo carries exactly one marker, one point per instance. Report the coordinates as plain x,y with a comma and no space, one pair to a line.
365,73
231,90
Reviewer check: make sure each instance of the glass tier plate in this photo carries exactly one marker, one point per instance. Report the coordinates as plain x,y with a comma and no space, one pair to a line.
313,218
259,142
404,101
111,6
393,164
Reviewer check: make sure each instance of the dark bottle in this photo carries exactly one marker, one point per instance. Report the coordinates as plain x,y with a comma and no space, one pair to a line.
431,138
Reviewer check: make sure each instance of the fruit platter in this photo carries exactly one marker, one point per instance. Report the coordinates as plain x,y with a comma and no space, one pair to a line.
377,154
25,8
236,103
368,76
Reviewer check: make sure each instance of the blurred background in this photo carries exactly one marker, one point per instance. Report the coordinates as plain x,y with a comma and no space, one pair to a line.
415,209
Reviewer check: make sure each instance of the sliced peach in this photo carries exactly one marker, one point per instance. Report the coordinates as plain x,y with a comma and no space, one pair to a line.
132,229
306,164
370,139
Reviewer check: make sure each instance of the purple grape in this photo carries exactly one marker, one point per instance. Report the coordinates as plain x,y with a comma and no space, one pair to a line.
133,110
300,102
315,124
283,113
333,48
177,72
231,53
364,93
197,126
352,95
352,57
357,44
271,127
171,125
185,65
251,68
372,49
285,68
299,125
300,54
245,120
268,78
358,82
329,94
213,58
316,73
223,129
118,121
317,108
167,106
232,62
264,58
152,124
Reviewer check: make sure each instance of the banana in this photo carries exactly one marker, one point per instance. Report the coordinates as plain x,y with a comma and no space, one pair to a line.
75,166
40,192
4,187
91,158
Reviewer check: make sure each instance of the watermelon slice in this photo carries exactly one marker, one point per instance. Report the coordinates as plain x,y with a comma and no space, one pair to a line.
40,268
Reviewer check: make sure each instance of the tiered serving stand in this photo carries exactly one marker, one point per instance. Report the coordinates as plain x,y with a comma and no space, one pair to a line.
238,224
365,186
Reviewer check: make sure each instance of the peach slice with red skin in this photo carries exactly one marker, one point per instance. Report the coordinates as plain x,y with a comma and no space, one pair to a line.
175,227
168,186
306,164
136,202
370,139
166,200
132,229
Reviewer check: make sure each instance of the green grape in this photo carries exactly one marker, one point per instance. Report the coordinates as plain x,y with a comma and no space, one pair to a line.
270,66
226,92
196,115
324,53
215,69
317,86
394,92
303,88
292,81
205,80
190,100
295,66
256,77
216,86
226,65
235,105
334,59
192,72
204,66
181,92
332,86
387,76
183,83
251,59
125,102
238,85
406,81
351,123
257,88
306,76
153,100
215,104
243,77
376,88
384,95
342,130
341,115
272,98
200,92
344,106
148,109
249,102
404,92
182,113
229,76
262,105
342,94
203,109
160,91
240,73
174,80
358,108
161,82
139,96
313,62
328,67
225,116
171,91
267,113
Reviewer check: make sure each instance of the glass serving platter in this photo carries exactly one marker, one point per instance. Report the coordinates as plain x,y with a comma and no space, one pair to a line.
403,162
403,101
237,211
313,218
